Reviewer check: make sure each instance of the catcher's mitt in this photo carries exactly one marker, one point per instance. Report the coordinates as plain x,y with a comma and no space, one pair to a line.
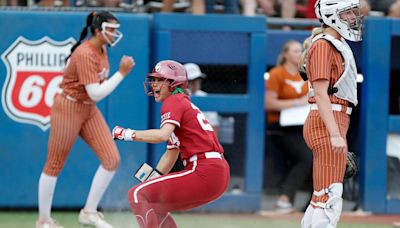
351,166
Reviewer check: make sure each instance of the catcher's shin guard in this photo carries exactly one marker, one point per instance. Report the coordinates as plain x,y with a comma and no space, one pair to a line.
333,206
306,222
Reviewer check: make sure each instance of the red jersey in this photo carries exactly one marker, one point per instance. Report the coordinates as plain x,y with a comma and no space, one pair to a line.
193,133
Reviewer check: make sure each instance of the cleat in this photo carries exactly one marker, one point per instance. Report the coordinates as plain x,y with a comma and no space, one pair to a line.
93,219
48,224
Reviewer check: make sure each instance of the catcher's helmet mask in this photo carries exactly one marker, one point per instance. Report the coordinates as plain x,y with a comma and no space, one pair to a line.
329,13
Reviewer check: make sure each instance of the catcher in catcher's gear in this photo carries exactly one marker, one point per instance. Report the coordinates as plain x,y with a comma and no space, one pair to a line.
331,71
351,165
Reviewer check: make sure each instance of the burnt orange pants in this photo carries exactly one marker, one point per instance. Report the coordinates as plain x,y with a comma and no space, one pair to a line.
70,119
328,166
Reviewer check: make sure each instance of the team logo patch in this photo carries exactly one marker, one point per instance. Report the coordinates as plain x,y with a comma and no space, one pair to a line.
165,116
157,68
34,73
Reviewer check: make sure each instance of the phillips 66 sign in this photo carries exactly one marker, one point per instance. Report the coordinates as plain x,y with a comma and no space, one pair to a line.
34,73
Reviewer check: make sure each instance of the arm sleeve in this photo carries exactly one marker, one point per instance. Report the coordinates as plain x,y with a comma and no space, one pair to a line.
97,91
320,60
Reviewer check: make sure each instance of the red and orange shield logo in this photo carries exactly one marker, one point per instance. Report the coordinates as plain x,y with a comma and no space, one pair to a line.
34,72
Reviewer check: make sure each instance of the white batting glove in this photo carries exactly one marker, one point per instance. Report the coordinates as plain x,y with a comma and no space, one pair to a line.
121,133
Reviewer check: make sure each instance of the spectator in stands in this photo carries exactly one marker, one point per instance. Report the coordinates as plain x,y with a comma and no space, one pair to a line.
198,6
229,6
249,7
287,8
44,3
310,12
195,77
286,89
390,8
97,3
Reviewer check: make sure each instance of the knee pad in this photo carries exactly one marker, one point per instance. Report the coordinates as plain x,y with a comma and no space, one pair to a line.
306,221
333,206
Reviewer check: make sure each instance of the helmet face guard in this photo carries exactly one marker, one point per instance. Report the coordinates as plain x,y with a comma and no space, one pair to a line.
117,35
343,16
148,85
355,26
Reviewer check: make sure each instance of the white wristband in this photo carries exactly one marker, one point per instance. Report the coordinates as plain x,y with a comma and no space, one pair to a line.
130,134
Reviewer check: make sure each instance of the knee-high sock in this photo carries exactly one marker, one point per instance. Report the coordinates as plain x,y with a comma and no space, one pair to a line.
47,185
320,219
307,218
100,182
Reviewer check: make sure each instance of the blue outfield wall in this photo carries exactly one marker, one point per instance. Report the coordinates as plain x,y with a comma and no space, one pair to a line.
381,54
36,42
23,147
221,39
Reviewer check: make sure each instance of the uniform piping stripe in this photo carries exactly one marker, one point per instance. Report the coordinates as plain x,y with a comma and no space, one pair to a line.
171,121
162,179
165,218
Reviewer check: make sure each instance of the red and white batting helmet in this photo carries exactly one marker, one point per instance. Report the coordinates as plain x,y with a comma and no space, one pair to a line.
171,70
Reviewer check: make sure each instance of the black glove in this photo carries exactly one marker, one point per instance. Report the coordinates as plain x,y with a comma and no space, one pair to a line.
351,166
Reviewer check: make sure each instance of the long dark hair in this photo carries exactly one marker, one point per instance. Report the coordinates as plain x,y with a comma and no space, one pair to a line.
93,21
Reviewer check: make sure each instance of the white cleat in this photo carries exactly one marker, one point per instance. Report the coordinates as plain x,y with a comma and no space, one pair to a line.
95,219
48,224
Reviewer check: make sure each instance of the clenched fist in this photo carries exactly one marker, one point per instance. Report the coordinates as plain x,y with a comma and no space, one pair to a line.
120,133
126,65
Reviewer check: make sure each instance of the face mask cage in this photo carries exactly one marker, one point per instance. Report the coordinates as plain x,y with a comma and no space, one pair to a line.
117,35
148,85
354,26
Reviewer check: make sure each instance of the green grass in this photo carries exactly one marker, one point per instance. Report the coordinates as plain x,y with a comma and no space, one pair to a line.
126,220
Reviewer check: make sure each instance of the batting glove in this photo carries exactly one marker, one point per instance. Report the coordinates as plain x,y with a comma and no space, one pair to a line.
120,133
146,172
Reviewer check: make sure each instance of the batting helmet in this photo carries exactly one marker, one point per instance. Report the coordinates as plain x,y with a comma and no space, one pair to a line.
329,11
171,70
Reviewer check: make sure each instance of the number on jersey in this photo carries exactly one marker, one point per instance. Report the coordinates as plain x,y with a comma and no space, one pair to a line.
202,119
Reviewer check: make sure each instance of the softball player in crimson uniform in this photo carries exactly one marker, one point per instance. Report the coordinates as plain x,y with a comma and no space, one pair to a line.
206,173
332,73
74,113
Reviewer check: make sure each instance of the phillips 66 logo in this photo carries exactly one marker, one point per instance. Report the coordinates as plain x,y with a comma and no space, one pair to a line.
34,73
